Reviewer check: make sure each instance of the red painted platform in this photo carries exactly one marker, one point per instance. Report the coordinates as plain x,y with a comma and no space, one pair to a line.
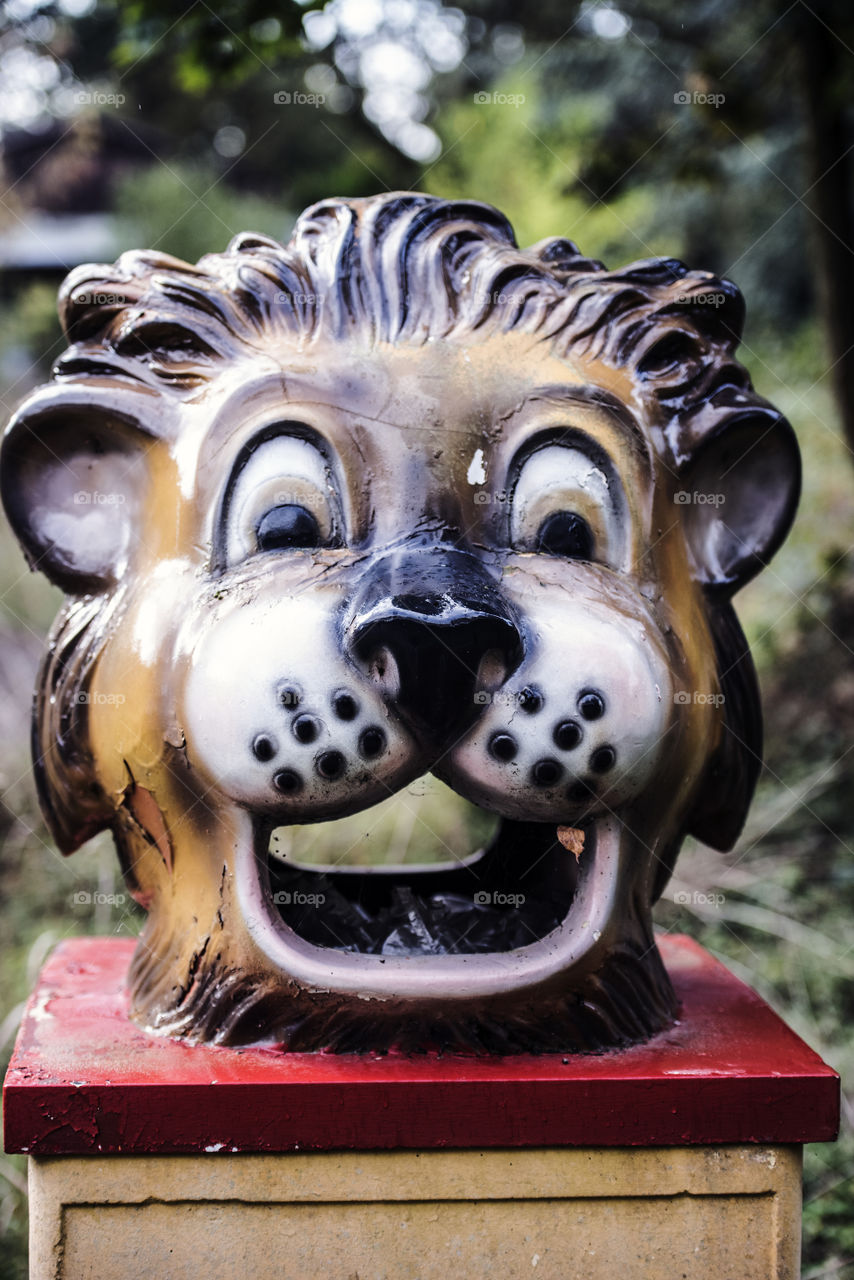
85,1080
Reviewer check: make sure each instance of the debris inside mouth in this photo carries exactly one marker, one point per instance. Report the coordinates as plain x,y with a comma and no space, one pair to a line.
513,893
572,838
407,921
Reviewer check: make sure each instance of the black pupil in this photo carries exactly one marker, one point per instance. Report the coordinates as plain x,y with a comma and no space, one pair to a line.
287,526
564,533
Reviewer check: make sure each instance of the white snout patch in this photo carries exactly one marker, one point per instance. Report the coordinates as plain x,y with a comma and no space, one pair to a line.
278,719
582,721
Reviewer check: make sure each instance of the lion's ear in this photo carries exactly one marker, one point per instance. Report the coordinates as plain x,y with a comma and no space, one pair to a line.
738,494
71,480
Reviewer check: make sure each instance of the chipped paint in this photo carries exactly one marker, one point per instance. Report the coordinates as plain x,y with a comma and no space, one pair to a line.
476,473
84,1078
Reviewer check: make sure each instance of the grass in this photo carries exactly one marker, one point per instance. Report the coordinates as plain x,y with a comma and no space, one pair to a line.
425,822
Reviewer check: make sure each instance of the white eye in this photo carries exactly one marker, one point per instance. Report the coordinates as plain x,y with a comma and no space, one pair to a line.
566,504
284,498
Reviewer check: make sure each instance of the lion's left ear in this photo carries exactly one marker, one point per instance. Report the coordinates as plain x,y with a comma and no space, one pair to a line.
71,480
738,495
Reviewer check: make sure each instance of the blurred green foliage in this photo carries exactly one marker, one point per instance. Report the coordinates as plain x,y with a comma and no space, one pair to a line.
184,210
204,48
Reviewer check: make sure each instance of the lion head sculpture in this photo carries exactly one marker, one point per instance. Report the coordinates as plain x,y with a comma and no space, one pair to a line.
399,498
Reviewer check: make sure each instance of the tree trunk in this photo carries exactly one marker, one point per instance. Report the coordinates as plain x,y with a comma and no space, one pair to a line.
823,75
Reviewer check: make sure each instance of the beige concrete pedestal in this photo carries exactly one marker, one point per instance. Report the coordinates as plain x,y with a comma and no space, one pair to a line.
151,1159
701,1213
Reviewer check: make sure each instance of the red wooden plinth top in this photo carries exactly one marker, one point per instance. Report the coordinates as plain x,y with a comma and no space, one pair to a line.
84,1080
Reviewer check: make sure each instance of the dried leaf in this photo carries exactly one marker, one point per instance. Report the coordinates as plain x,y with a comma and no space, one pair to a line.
572,839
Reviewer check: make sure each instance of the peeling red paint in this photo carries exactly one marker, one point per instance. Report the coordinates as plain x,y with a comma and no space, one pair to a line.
85,1079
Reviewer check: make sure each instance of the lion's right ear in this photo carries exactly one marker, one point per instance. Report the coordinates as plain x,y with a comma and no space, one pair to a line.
71,479
745,479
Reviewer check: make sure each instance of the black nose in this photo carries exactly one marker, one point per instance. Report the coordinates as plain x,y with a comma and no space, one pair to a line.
439,617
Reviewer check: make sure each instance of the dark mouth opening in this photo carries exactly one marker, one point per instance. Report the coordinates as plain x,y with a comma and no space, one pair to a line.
512,893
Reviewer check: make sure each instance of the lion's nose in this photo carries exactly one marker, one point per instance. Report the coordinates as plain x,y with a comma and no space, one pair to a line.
431,623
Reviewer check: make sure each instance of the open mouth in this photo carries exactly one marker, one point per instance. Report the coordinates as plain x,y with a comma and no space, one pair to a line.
510,914
500,884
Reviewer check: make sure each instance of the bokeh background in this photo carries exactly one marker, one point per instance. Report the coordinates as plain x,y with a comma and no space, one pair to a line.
717,132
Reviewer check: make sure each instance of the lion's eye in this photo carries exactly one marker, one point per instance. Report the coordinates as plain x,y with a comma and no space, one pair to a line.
287,525
283,496
567,502
564,533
